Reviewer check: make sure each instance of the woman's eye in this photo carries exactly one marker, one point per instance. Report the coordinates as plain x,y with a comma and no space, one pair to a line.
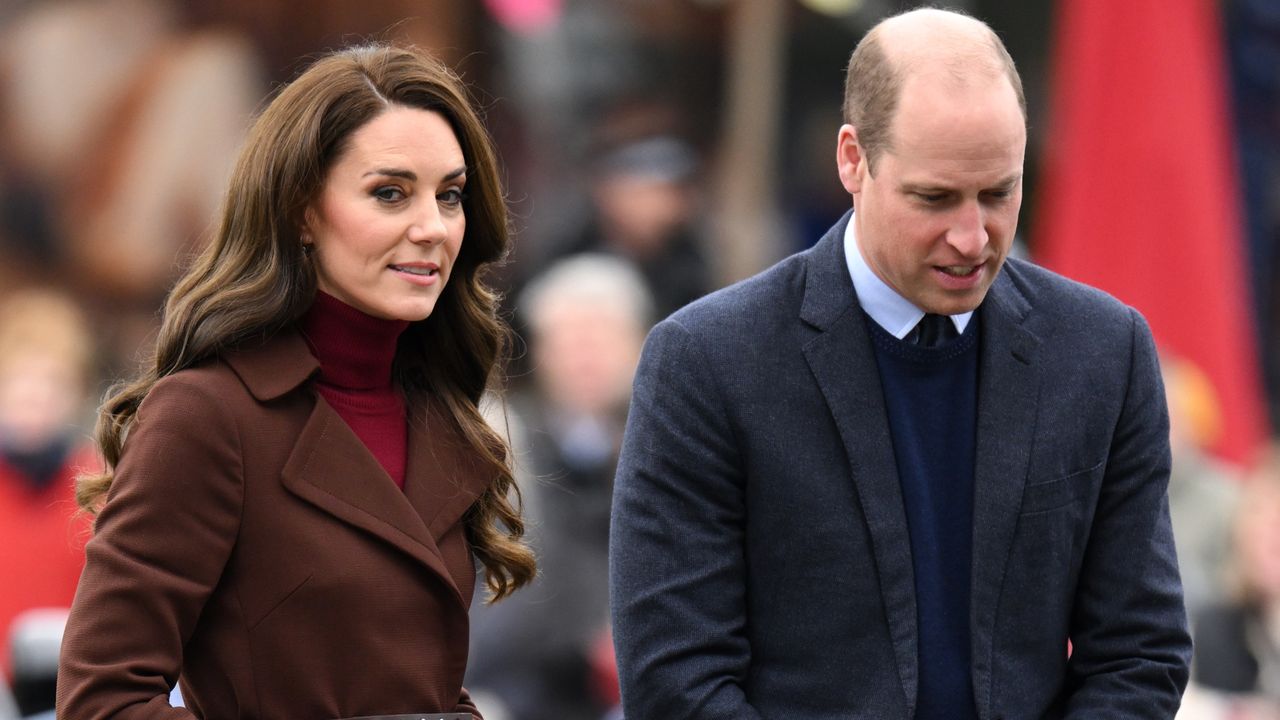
389,193
452,197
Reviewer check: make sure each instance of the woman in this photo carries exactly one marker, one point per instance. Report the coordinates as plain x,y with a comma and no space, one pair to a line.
330,345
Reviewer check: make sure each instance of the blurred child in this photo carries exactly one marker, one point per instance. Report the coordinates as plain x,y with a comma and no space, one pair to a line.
45,353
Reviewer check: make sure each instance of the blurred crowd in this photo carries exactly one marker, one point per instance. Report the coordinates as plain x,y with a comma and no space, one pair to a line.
617,124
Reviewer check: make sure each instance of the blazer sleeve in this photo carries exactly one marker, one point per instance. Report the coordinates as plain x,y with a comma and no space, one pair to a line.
677,564
161,543
1131,648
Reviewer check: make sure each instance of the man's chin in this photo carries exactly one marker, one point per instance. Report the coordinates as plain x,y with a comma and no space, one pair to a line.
952,305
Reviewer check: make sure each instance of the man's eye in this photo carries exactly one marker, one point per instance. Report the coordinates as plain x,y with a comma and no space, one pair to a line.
931,198
389,193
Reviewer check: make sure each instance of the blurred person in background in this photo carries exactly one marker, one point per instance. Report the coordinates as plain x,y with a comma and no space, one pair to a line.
45,380
1236,671
300,483
1203,491
538,654
120,123
643,209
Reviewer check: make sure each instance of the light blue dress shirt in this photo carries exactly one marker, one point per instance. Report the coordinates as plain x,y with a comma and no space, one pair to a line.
896,314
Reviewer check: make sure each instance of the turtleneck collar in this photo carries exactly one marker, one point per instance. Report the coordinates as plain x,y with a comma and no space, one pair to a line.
355,350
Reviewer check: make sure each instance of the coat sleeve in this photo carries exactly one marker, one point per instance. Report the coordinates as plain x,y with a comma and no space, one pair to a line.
1131,648
467,705
676,547
161,542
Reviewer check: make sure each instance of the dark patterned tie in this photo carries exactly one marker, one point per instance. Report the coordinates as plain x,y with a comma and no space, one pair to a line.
932,331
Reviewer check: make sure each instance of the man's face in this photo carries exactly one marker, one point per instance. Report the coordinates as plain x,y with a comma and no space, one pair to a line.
936,220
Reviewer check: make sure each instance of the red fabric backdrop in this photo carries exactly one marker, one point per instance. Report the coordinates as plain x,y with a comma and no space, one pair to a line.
1139,191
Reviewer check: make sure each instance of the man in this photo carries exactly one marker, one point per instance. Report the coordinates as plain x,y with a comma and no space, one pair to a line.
829,508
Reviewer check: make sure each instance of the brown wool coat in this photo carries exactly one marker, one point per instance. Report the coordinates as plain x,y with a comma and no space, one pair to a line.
252,544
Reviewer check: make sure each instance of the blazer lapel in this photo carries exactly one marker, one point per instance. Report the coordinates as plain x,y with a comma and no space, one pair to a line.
844,367
1008,393
332,469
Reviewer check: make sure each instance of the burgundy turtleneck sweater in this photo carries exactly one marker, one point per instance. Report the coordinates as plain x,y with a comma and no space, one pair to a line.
356,351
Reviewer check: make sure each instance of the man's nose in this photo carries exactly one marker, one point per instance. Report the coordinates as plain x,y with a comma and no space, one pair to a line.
968,233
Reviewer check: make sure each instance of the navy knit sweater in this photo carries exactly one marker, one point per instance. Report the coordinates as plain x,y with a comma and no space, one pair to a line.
931,397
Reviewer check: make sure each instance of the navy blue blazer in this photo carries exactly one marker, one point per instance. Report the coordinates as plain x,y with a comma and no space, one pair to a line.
760,562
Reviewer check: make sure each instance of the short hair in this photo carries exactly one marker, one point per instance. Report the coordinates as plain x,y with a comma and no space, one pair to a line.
873,83
588,278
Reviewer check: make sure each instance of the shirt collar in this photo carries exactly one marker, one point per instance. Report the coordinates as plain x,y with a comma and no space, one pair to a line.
896,314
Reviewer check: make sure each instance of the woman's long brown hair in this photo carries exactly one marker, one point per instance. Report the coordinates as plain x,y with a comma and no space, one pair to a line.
252,280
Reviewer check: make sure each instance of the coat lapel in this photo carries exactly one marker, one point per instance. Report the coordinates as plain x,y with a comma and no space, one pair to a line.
332,469
844,367
1008,393
444,478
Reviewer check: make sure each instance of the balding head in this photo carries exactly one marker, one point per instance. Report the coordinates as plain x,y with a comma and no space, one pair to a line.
942,45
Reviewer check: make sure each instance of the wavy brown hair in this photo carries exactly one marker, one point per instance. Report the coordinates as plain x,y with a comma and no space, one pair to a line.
252,280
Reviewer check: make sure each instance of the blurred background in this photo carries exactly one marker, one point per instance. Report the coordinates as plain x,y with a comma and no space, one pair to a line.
654,150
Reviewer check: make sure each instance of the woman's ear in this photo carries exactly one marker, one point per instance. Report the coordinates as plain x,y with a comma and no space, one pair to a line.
304,227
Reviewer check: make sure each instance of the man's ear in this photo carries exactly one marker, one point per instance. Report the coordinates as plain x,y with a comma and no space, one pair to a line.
850,160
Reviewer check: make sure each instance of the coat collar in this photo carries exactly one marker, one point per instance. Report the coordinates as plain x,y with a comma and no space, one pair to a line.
829,293
843,364
276,367
828,290
332,469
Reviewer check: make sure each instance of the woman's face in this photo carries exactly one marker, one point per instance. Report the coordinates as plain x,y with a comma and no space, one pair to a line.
388,223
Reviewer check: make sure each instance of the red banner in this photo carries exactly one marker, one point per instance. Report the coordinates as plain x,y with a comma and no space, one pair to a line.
1139,194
